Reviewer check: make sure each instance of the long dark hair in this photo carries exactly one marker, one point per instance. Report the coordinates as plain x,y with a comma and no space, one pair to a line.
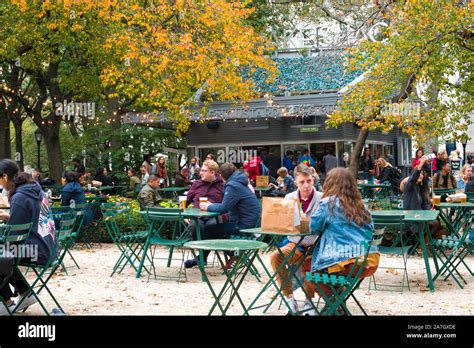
340,183
99,171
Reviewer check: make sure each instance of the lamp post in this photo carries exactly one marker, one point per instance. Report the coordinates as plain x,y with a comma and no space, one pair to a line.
464,143
39,138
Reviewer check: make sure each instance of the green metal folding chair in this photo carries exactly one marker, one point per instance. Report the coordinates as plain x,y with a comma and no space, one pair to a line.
157,219
396,224
452,251
342,286
65,238
124,235
79,211
12,234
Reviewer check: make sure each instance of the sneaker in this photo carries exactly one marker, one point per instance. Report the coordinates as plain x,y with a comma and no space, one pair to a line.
293,306
308,308
28,301
3,308
192,263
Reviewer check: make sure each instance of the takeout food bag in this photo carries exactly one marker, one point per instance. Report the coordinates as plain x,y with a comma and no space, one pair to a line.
262,181
281,215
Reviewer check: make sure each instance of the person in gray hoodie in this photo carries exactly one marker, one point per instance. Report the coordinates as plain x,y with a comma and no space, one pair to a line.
28,204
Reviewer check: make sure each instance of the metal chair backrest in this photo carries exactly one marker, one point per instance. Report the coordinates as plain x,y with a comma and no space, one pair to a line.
16,233
66,228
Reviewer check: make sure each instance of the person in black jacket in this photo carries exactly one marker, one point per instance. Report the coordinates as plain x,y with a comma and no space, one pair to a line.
101,175
387,174
28,204
416,196
416,191
78,166
367,165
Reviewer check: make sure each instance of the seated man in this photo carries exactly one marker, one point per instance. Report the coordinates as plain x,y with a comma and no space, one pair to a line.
182,178
134,180
309,199
211,186
149,196
241,203
444,179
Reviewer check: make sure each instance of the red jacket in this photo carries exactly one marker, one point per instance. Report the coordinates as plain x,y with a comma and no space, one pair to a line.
253,168
214,191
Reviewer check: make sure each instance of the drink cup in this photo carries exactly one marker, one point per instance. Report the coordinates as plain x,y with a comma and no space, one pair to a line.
182,202
203,200
463,199
436,200
89,187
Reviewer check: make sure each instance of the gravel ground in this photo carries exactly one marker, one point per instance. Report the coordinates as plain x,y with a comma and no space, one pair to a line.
91,291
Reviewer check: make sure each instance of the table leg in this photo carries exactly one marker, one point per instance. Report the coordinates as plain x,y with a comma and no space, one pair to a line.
205,279
199,237
272,279
425,253
230,282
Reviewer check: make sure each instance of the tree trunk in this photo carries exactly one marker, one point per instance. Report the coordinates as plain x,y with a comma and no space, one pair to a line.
53,148
356,152
5,147
18,124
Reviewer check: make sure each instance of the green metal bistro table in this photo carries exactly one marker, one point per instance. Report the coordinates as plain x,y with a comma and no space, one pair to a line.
172,191
189,213
455,221
367,190
245,252
421,218
275,237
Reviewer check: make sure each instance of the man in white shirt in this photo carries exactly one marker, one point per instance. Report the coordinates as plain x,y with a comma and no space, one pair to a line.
309,200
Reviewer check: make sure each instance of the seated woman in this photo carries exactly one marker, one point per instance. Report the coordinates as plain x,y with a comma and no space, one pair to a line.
73,192
101,175
464,176
342,224
388,174
28,204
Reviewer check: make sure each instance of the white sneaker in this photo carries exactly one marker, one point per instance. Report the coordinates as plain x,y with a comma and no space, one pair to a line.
293,306
4,311
308,308
28,301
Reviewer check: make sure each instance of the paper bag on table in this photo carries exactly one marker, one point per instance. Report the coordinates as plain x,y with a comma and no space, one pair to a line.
280,215
262,181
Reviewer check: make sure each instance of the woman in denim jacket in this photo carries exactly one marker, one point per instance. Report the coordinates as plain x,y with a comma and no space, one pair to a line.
343,224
